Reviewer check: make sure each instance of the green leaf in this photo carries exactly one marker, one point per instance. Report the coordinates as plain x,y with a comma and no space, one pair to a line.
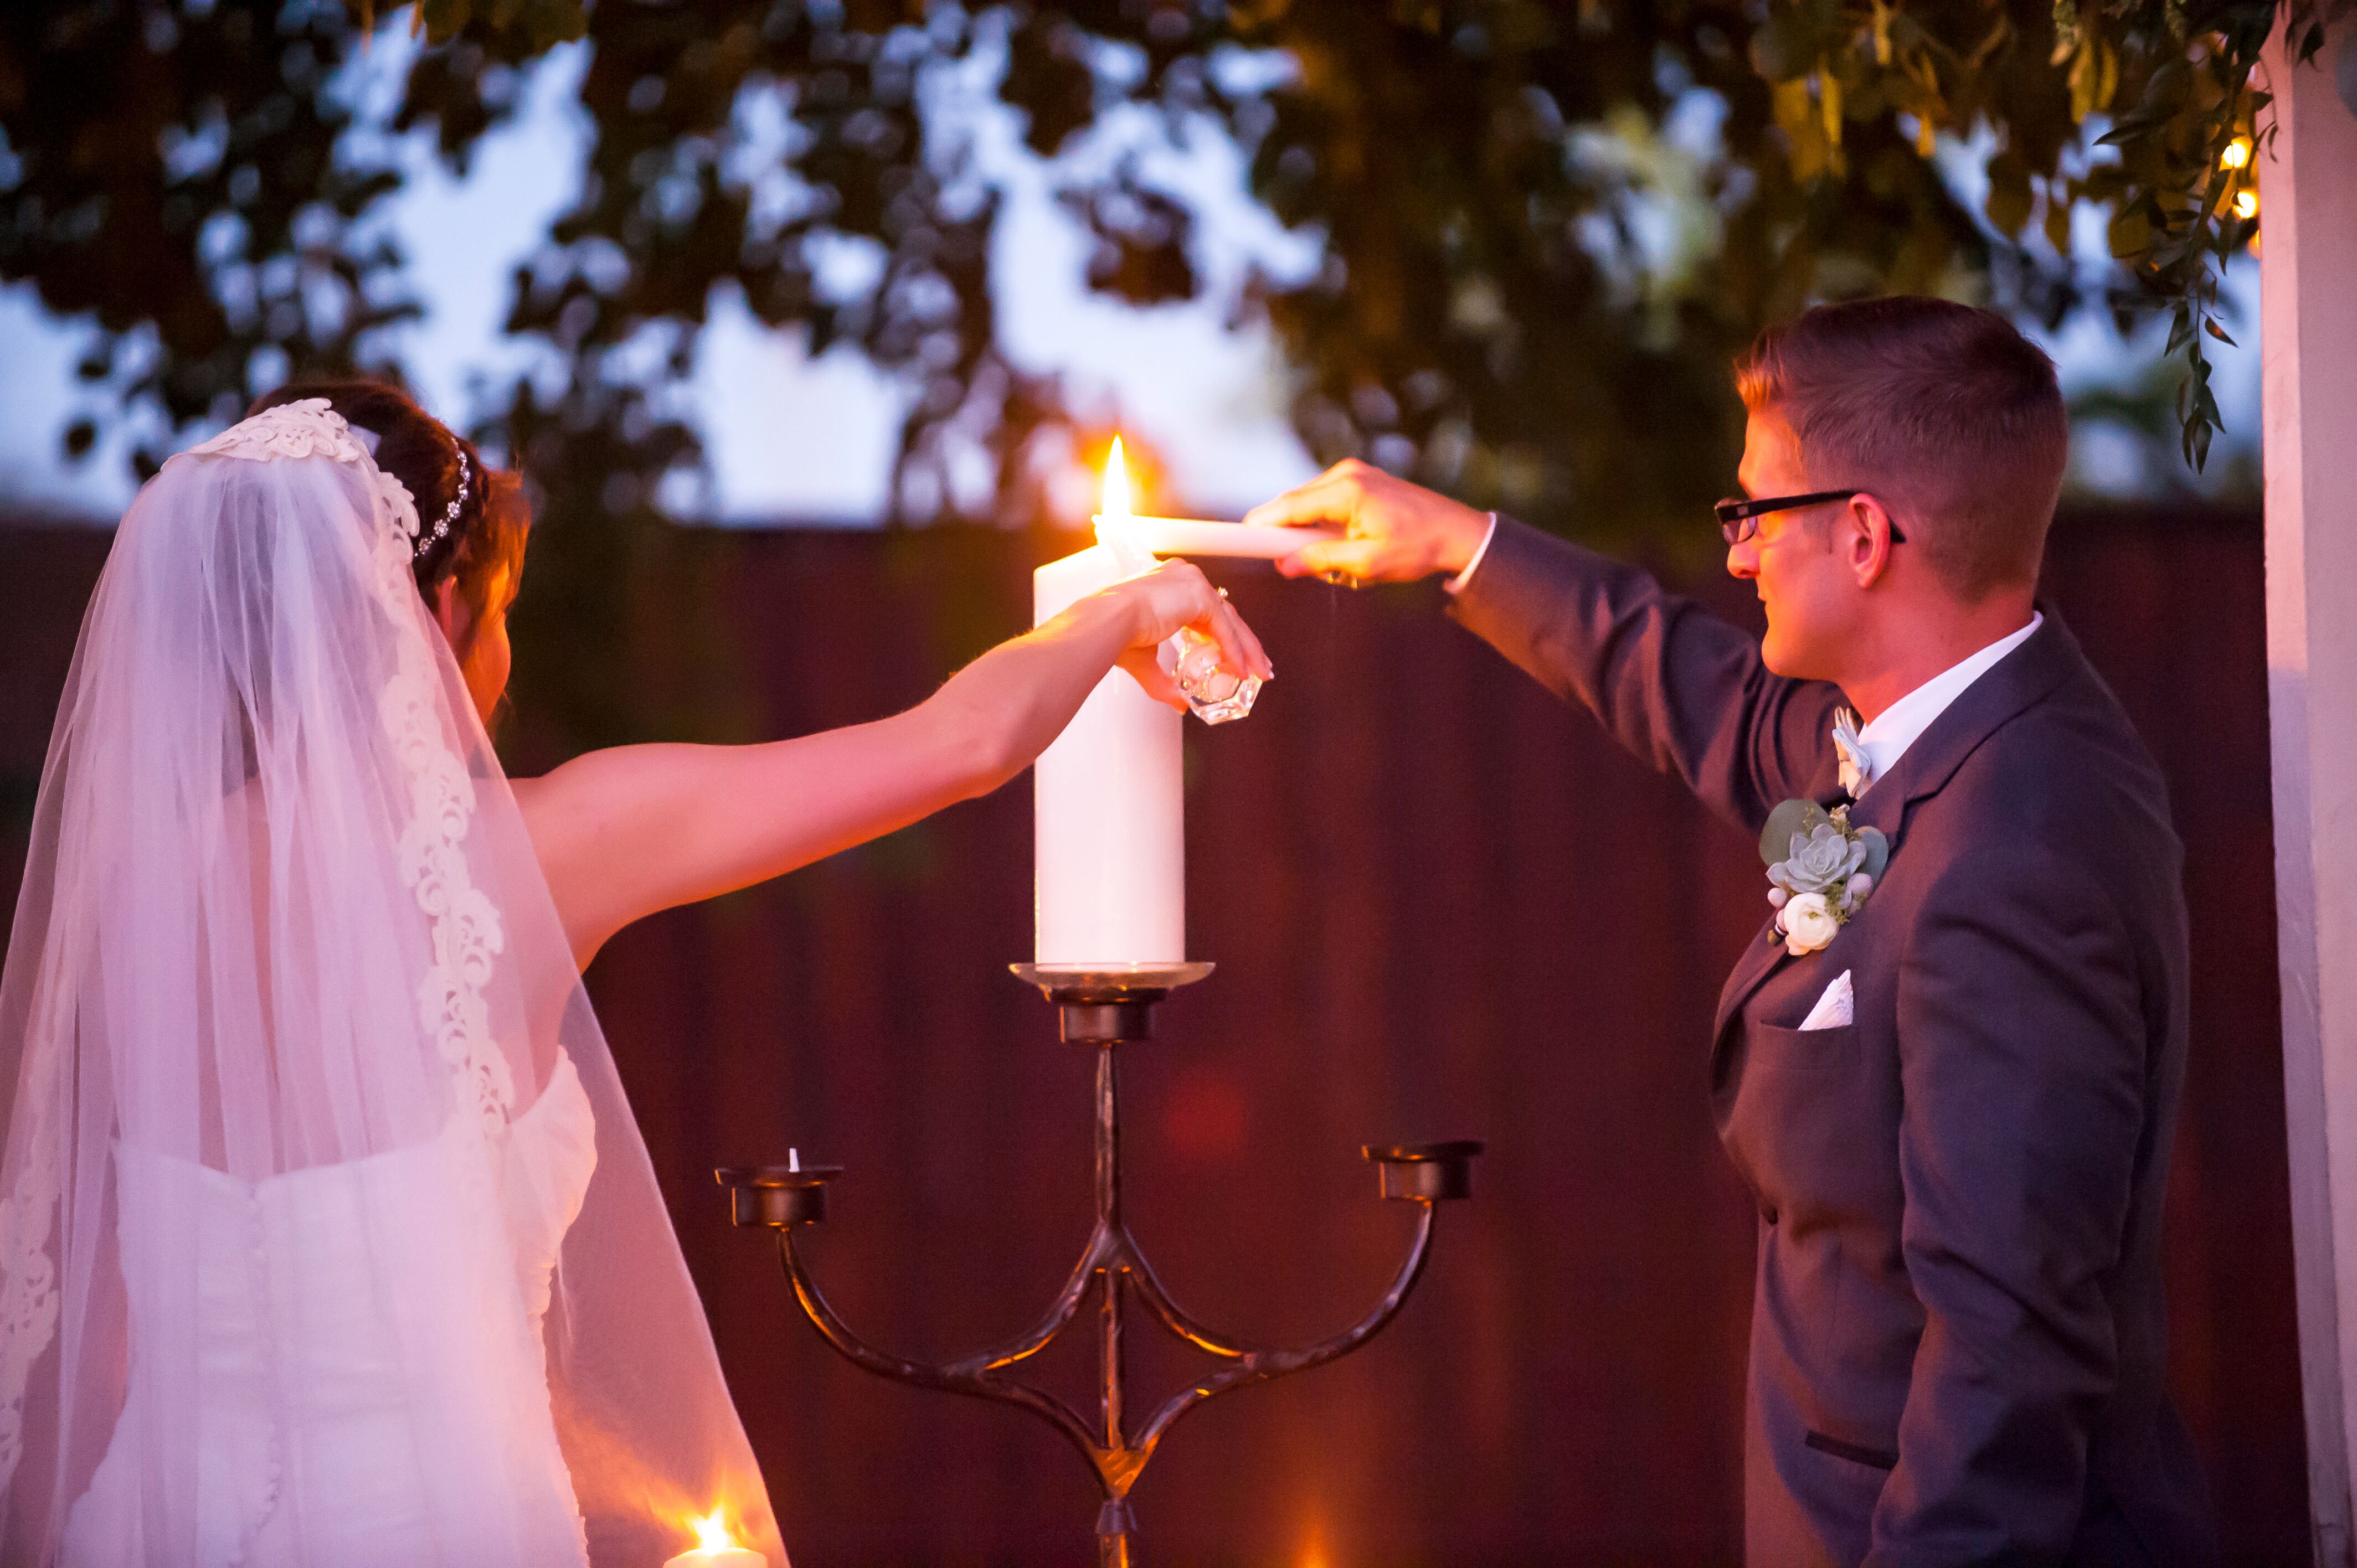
443,20
1802,817
2132,126
2131,235
1877,851
2009,197
2180,329
2211,328
1783,48
2058,217
2168,87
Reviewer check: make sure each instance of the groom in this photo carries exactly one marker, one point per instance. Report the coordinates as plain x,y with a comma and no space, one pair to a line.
1949,1067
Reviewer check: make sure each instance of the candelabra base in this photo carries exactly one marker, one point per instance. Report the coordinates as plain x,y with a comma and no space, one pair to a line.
1104,1008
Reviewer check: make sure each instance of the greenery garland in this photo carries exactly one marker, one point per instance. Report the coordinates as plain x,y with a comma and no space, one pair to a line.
2187,118
2190,148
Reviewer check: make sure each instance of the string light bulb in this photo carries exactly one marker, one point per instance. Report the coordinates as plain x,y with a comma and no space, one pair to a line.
2247,204
2237,153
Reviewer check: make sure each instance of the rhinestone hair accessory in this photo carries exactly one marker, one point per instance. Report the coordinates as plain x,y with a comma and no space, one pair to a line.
429,538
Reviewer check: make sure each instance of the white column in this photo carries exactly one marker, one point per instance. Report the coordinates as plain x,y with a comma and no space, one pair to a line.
2308,216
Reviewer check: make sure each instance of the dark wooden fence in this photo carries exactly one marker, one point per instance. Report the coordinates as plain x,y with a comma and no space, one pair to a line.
1441,905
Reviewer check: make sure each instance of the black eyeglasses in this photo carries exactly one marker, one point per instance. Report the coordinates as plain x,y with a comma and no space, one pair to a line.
1740,520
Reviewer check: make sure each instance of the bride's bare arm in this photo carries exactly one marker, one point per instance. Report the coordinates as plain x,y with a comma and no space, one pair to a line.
623,833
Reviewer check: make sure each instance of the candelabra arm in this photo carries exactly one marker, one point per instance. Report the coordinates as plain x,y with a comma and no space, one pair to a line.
1262,1365
956,1379
1067,1305
1150,1291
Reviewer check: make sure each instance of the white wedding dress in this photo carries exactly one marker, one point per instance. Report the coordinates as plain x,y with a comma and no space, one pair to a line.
400,1410
327,1236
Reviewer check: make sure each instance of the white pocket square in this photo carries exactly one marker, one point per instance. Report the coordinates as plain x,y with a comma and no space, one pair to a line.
1836,1008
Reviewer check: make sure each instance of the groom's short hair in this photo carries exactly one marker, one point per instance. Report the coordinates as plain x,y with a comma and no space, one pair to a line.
1945,414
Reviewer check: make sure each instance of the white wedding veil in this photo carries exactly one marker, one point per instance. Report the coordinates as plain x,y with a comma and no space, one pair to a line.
281,923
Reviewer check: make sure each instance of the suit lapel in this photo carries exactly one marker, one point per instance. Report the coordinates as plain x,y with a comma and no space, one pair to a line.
2013,684
1762,959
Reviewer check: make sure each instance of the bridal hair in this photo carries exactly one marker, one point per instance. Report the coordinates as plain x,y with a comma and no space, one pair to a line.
473,522
1946,414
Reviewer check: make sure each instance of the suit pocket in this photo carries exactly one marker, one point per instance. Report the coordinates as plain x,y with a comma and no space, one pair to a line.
1775,1050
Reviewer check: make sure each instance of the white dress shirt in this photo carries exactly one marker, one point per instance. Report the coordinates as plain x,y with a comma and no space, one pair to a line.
1457,585
1895,728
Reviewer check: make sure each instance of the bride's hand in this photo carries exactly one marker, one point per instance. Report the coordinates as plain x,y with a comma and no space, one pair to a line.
1174,595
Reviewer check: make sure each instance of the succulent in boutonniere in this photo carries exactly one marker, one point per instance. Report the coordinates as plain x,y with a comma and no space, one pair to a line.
1821,870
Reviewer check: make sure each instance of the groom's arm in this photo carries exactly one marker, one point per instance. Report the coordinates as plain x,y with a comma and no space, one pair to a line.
2022,1046
1679,687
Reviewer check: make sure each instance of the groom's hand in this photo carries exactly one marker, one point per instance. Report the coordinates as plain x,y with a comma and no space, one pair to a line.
1394,531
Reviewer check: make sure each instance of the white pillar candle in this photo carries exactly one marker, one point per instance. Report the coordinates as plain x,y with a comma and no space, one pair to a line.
1110,856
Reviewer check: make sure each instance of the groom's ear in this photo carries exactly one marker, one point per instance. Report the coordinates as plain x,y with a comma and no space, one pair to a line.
1863,537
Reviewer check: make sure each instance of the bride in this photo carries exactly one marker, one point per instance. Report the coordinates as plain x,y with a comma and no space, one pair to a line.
325,1235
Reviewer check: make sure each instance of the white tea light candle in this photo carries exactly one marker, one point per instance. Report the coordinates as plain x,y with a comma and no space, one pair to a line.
716,1548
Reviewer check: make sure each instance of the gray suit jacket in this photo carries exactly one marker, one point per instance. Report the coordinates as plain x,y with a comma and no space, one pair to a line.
1957,1350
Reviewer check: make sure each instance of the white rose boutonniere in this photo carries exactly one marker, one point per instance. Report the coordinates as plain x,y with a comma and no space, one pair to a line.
1820,869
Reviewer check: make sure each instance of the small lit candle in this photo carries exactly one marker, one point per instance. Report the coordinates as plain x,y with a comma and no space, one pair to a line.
716,1548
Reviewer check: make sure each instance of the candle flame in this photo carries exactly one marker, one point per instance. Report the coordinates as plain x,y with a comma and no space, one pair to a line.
711,1532
1116,484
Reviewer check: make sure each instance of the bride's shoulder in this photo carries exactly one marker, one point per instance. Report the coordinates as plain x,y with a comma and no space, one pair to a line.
539,803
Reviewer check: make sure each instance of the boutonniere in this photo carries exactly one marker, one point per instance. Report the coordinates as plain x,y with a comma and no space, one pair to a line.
1820,869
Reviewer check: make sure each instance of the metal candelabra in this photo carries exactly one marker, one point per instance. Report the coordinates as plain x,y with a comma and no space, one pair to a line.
1104,1009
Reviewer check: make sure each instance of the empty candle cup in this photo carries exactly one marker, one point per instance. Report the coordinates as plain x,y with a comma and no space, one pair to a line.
776,1195
1426,1173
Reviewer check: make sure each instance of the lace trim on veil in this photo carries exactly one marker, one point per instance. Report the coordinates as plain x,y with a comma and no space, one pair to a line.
463,922
28,1280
